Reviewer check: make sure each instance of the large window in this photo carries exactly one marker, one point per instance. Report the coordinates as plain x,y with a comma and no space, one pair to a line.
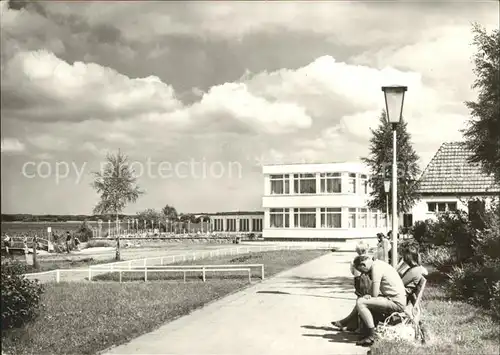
363,218
279,218
352,218
351,184
441,206
231,225
257,225
364,184
331,218
374,219
305,217
330,183
280,185
218,225
244,225
304,183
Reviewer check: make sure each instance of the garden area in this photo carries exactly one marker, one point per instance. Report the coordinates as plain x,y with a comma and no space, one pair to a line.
461,302
85,318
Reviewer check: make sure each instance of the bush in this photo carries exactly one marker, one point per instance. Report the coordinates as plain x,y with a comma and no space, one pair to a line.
84,232
442,258
99,244
20,296
476,283
422,232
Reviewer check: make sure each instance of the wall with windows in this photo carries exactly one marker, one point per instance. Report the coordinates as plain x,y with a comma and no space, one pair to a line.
428,207
319,201
237,223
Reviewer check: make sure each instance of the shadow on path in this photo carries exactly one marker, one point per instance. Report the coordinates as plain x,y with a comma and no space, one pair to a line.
338,337
341,284
303,294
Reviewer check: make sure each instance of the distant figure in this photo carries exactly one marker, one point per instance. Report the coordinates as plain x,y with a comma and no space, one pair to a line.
77,243
7,241
383,247
68,242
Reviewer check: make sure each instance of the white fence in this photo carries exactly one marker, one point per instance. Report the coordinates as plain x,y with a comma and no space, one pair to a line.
129,265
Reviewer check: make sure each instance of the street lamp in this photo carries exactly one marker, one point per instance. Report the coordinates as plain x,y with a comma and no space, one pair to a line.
387,188
394,100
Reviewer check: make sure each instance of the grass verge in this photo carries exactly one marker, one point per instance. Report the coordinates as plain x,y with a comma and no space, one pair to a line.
66,264
454,327
84,318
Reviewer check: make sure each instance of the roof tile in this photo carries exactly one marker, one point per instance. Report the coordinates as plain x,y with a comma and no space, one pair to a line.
450,171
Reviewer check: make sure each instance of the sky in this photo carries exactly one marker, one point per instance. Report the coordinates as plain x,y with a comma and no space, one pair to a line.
199,95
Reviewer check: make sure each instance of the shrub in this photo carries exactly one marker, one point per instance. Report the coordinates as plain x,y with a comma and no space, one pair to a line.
442,258
476,283
99,244
84,232
422,232
20,296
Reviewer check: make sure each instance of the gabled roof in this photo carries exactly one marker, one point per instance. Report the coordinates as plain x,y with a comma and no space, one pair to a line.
450,172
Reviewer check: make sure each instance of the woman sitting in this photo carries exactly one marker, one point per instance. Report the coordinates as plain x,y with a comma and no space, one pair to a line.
410,271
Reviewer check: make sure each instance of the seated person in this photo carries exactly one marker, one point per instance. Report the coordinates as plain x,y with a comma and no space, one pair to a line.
388,293
410,271
362,285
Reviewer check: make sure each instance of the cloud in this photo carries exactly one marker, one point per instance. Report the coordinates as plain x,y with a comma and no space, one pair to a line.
12,145
60,91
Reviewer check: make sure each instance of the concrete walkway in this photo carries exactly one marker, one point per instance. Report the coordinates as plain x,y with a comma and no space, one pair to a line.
287,314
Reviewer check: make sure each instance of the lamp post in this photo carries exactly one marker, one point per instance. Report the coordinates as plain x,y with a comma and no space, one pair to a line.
387,188
394,100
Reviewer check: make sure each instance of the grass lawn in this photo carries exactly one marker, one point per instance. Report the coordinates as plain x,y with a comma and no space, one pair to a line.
84,318
454,327
67,264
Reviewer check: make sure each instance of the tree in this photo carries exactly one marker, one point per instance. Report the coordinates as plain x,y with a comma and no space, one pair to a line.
483,132
117,186
149,215
170,214
380,163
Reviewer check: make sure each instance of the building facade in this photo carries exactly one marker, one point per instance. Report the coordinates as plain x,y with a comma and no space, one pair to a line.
320,202
237,222
451,182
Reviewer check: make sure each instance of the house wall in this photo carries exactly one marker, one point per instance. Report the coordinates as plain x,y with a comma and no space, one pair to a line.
420,210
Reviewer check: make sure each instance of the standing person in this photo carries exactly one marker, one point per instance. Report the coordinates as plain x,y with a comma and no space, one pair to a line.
388,294
68,242
383,247
7,242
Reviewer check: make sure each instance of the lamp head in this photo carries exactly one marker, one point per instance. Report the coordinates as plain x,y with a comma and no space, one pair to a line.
394,100
387,186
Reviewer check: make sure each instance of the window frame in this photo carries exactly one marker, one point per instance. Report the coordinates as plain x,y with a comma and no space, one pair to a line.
297,183
298,213
326,212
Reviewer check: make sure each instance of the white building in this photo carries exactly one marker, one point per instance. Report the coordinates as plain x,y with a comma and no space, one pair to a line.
450,182
319,202
237,222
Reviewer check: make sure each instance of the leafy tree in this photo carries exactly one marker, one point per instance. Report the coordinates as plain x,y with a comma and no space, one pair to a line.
149,215
117,186
483,132
380,164
170,214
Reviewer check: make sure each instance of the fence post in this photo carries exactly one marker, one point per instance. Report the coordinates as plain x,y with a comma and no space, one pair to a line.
120,275
204,275
173,259
90,274
58,276
145,262
130,265
249,276
184,277
262,272
145,273
194,256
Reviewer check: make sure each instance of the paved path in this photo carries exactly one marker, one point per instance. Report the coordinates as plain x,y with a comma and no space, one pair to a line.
287,314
